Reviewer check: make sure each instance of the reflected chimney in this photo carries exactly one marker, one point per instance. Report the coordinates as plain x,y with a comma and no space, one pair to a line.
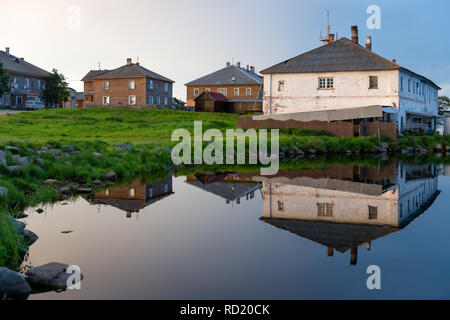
330,251
128,214
355,34
367,246
7,50
369,43
129,62
354,256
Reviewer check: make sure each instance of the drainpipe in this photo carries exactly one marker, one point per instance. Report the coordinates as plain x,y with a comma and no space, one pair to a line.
270,99
270,198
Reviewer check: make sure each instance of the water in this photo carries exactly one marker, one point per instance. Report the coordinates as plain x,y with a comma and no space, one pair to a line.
299,235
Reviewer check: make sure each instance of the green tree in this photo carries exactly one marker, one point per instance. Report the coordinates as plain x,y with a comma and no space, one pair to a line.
444,104
4,81
57,89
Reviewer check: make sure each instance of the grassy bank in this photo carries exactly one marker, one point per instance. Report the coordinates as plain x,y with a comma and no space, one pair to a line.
9,242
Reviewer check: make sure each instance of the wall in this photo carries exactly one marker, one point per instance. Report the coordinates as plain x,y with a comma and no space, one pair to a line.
118,91
159,90
230,92
351,89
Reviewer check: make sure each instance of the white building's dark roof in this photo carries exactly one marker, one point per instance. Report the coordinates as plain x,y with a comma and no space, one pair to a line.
338,56
231,75
14,64
126,71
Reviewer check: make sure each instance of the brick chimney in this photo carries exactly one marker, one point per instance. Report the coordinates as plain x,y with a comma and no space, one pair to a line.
394,61
369,43
238,64
228,64
252,69
7,50
138,63
330,37
355,34
128,61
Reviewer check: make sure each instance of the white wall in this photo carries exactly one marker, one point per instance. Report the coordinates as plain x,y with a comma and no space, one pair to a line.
351,89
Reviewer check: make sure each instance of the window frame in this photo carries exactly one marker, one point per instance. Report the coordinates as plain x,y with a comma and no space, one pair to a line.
325,83
236,90
130,102
373,82
132,87
248,92
166,87
150,100
281,85
106,85
150,84
103,100
196,92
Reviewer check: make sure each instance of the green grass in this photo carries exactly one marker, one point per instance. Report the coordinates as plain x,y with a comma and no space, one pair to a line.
9,243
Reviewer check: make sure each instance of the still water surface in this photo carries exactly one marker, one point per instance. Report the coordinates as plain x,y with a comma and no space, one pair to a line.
298,235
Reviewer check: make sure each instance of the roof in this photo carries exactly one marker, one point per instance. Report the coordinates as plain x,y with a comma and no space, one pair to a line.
126,71
14,64
79,95
337,56
214,95
127,204
327,115
231,75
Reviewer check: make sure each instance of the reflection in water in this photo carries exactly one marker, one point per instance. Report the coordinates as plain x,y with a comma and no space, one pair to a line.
133,197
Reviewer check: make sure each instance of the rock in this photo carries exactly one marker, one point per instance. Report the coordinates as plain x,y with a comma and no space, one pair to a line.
30,236
3,191
124,147
111,175
13,285
12,149
20,226
3,158
380,149
67,148
50,181
40,161
438,147
312,151
84,190
97,182
97,154
285,149
66,231
52,275
65,190
22,216
12,169
348,152
384,145
168,150
56,152
40,210
24,161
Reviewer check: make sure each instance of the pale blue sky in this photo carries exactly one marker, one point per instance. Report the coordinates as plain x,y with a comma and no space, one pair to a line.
184,40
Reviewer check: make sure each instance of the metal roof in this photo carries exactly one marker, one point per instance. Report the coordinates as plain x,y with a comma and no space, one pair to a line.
338,56
231,75
14,64
327,115
126,71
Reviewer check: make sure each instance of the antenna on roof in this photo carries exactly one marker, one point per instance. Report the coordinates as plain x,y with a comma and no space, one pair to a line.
330,36
99,66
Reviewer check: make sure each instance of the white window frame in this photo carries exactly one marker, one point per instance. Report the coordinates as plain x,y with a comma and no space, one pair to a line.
248,92
376,82
196,92
132,84
27,84
166,101
39,84
281,85
132,193
150,84
222,91
166,87
105,85
207,89
236,90
158,100
8,100
17,100
150,99
131,103
107,100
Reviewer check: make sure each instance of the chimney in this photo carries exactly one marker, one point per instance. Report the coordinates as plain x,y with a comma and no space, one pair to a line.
228,64
330,37
394,61
7,50
129,62
238,64
138,64
248,67
355,34
369,43
252,69
22,59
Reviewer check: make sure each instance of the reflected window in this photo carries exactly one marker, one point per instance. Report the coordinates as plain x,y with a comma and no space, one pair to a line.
132,192
166,188
325,209
150,193
280,205
106,192
373,213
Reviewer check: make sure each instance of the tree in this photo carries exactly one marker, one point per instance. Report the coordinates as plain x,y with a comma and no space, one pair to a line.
57,89
4,81
444,104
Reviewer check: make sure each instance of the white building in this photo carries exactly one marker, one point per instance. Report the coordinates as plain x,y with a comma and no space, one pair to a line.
343,74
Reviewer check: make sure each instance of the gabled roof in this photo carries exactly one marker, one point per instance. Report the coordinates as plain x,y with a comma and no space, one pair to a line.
226,75
126,71
14,64
338,56
214,95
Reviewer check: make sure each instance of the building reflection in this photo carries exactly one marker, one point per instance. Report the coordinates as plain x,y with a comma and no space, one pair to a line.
230,186
345,207
132,198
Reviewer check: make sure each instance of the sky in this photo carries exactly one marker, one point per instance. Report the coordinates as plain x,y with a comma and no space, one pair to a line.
186,39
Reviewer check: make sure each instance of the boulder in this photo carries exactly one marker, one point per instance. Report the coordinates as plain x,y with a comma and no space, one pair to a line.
168,150
12,169
124,147
13,285
40,210
65,190
20,226
84,190
312,151
50,181
52,275
12,149
21,216
97,182
30,236
24,161
3,191
67,148
3,158
56,152
97,154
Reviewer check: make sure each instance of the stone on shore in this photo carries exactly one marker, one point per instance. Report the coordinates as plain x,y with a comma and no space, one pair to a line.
52,275
13,285
19,225
3,191
2,158
124,147
97,154
30,236
12,149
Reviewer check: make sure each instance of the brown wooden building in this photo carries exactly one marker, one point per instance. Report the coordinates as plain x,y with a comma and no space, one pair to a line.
128,86
242,88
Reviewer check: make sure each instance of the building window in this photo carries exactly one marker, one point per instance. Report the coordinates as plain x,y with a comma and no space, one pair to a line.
131,192
43,85
222,91
150,193
373,213
166,101
326,83
166,86
27,83
166,188
132,84
281,86
105,100
106,85
196,91
8,100
39,84
401,84
1,100
409,85
248,92
325,209
150,84
236,91
131,100
19,100
158,100
373,82
280,205
208,90
150,99
106,192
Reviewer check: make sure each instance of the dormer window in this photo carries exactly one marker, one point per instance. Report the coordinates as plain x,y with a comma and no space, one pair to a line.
233,78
